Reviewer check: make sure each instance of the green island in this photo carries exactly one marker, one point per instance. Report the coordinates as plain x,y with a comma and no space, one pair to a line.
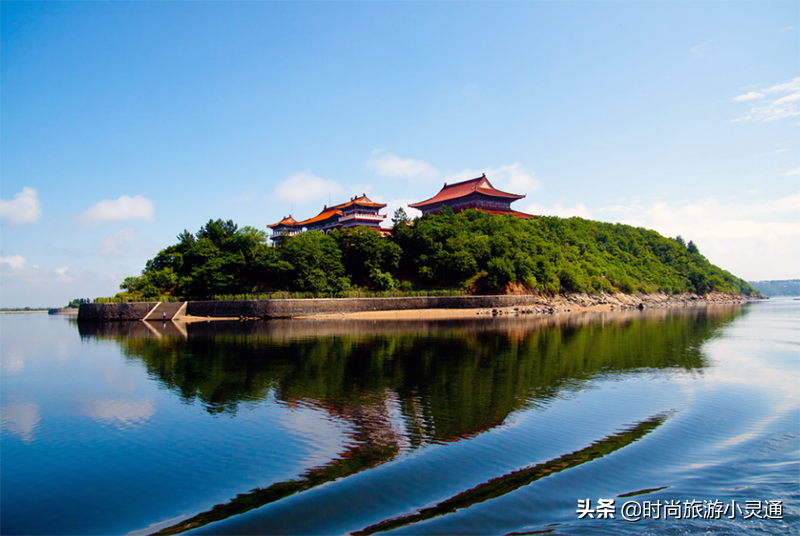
463,253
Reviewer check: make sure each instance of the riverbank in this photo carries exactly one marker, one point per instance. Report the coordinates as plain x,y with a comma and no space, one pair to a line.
550,305
388,308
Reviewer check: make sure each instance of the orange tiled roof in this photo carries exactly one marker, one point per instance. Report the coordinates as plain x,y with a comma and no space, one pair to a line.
480,185
329,212
322,216
288,221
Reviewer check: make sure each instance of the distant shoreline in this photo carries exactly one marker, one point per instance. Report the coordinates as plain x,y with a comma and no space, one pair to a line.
31,312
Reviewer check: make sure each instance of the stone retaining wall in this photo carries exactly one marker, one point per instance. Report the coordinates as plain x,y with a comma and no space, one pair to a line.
291,308
110,312
310,307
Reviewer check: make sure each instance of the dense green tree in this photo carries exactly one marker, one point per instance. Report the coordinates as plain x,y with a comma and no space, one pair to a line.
316,261
368,257
471,250
550,254
220,258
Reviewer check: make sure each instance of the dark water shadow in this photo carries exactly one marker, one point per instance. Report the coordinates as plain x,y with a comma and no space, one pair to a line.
450,380
505,484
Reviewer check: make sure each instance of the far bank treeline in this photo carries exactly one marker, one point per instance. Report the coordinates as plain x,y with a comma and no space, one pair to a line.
470,251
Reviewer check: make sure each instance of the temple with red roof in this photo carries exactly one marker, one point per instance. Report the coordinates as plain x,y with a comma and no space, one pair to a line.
478,194
359,211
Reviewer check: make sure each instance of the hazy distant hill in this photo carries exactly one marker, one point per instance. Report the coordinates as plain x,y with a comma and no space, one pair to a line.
787,287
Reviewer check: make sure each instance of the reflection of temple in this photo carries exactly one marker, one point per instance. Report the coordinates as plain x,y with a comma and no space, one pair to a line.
359,211
478,194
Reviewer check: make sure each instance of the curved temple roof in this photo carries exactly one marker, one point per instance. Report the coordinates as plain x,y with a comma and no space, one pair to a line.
326,214
479,185
287,222
329,212
362,201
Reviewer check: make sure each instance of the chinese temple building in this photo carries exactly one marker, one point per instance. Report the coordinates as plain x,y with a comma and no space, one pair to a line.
285,228
478,194
359,211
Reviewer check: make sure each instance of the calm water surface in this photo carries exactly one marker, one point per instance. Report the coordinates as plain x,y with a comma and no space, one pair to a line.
484,426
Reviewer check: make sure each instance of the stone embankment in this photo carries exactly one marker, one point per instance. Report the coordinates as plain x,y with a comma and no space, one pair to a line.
530,304
108,312
640,301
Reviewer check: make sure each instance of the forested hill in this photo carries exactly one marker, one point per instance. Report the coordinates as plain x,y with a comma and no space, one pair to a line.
470,251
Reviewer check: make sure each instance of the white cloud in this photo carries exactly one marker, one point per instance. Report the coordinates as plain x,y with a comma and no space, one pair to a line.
509,177
24,208
514,178
125,208
123,242
559,210
31,285
305,186
795,171
789,204
389,165
394,204
748,96
783,104
786,87
20,274
700,51
14,261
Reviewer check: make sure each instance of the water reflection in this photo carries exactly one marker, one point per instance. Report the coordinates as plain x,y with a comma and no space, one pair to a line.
399,385
120,413
510,482
21,419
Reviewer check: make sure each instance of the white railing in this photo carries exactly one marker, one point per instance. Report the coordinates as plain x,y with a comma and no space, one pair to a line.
285,232
362,216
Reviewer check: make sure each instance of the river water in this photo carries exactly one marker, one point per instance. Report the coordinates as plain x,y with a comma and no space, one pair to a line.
674,421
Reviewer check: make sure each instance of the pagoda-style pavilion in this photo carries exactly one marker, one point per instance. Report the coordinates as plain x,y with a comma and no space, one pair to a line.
285,228
474,193
359,211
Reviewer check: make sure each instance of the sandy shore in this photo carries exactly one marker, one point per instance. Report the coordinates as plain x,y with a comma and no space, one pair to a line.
559,304
188,319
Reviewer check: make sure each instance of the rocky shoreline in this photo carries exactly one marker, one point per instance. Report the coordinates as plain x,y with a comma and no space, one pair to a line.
619,301
551,305
399,307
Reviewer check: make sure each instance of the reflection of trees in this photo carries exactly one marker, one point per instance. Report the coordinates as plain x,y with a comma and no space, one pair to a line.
505,484
449,379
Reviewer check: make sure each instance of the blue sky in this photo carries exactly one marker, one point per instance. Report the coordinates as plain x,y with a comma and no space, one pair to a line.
124,123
